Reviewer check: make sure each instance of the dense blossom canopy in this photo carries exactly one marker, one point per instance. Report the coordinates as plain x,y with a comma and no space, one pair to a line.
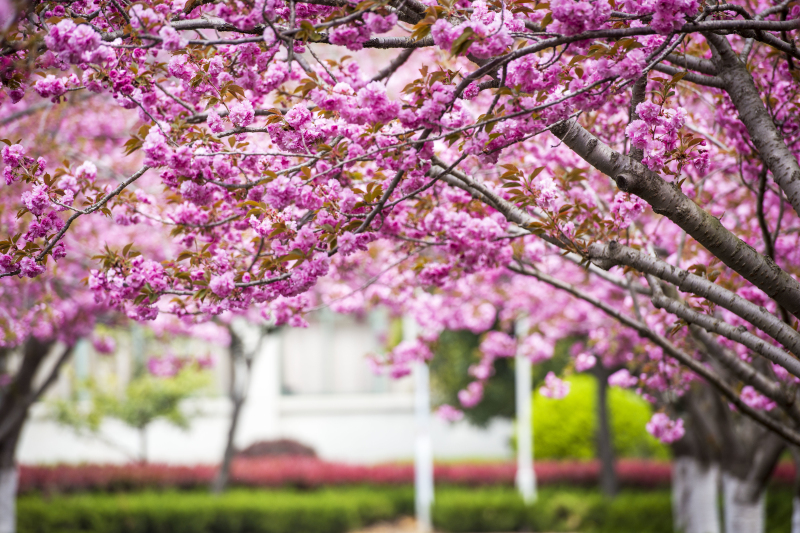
467,163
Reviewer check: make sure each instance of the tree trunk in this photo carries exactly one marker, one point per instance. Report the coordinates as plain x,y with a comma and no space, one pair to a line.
796,499
143,445
695,496
8,495
743,513
223,475
241,361
605,440
8,480
14,406
796,514
744,489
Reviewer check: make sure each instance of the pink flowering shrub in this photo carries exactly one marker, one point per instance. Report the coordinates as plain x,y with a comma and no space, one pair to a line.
313,473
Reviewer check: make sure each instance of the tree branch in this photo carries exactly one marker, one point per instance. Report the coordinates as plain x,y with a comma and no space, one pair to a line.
709,323
667,200
741,88
788,433
617,254
20,410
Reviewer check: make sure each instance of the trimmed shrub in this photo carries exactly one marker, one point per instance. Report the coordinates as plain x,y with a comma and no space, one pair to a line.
565,429
461,511
277,448
455,510
234,512
304,472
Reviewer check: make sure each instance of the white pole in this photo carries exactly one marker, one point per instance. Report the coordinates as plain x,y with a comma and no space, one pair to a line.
423,447
526,477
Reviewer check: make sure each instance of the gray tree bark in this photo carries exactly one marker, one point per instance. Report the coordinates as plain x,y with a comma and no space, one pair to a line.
14,405
741,88
667,200
695,495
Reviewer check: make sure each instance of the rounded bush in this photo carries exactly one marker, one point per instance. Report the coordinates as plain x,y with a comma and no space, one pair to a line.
565,429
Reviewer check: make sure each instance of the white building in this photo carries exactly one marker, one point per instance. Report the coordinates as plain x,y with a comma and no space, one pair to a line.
312,385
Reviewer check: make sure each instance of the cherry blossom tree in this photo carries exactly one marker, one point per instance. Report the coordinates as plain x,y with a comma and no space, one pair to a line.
568,159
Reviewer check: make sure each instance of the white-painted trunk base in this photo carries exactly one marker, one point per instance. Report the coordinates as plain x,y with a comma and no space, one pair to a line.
8,495
695,493
740,516
796,514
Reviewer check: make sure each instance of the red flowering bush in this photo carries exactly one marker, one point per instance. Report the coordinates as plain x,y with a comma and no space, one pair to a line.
307,472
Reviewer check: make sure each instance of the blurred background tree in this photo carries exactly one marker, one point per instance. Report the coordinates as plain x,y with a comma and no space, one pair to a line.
563,429
145,399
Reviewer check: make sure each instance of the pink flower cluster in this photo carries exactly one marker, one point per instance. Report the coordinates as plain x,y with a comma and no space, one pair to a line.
489,31
573,17
664,428
448,413
310,472
169,365
755,400
554,387
77,43
668,15
656,132
622,378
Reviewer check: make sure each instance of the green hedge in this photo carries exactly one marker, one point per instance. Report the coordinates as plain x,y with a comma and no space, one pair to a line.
566,428
571,510
456,510
327,511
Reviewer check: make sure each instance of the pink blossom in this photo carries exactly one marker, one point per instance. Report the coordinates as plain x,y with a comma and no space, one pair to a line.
631,65
665,429
350,36
30,268
13,155
104,344
470,92
222,285
536,348
472,395
171,39
750,397
164,367
36,199
622,378
554,387
584,362
7,264
498,344
298,116
242,114
639,133
378,24
448,413
50,87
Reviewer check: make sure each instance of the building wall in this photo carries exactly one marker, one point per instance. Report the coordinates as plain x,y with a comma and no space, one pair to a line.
311,384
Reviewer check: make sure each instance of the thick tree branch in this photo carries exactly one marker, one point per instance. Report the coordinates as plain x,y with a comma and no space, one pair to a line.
618,254
715,325
747,373
690,62
741,88
666,199
671,350
698,79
